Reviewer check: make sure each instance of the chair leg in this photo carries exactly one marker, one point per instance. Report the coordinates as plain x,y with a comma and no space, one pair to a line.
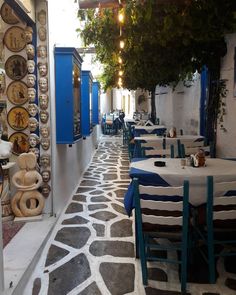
184,270
211,258
143,260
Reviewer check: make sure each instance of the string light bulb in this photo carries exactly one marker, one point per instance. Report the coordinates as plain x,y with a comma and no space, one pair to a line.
122,44
120,73
120,60
121,17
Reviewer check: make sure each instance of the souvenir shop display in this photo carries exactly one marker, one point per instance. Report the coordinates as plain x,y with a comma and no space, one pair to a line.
18,118
16,67
17,92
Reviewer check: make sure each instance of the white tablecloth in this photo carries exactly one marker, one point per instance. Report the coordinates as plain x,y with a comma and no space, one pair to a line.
174,174
150,128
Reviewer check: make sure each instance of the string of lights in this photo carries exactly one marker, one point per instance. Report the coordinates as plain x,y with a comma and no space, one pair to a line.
121,19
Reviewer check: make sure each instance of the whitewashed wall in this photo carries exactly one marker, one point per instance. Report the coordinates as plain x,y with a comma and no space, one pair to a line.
226,141
68,163
180,107
129,96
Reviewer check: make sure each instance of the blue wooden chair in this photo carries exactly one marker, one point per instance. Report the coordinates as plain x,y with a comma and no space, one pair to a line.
162,212
219,227
160,153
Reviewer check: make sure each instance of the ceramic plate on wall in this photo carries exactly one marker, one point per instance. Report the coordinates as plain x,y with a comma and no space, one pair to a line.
8,15
18,118
16,67
20,143
14,39
17,92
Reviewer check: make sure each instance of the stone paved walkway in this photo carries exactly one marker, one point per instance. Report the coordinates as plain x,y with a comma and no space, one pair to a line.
91,250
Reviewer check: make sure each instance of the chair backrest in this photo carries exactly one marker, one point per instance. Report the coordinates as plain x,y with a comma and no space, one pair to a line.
221,200
163,206
153,145
168,152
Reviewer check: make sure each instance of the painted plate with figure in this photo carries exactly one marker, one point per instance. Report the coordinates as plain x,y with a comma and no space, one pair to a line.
20,143
18,118
14,39
16,67
8,15
17,92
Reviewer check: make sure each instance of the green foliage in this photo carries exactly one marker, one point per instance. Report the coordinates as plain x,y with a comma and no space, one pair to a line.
163,43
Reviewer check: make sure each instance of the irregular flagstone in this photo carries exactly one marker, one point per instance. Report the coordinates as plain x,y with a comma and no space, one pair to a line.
231,283
92,289
157,274
100,229
69,275
124,176
84,189
79,198
118,277
152,291
97,192
99,199
109,176
118,208
103,215
75,220
37,286
74,207
120,193
122,228
113,248
55,254
89,183
106,185
75,237
96,207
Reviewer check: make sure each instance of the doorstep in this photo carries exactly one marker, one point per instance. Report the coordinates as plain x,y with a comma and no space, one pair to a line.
23,252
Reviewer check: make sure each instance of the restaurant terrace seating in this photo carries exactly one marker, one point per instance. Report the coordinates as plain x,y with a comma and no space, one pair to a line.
219,227
162,217
167,152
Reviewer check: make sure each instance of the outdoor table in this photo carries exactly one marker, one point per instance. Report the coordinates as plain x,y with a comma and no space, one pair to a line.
173,175
185,139
154,129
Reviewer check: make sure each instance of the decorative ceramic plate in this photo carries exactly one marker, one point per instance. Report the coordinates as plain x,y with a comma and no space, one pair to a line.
20,143
14,39
8,15
17,92
18,118
16,67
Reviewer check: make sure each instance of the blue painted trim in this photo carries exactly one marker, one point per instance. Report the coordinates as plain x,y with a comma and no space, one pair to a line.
86,93
96,103
65,58
203,99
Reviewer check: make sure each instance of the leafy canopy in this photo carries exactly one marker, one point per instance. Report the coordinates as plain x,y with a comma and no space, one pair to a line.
164,43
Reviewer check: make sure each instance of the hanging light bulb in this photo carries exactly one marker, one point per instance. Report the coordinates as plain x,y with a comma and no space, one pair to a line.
122,44
120,73
119,82
121,17
120,60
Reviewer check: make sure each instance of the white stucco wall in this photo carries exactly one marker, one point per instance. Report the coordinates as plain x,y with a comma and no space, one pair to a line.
226,141
124,99
179,107
68,163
